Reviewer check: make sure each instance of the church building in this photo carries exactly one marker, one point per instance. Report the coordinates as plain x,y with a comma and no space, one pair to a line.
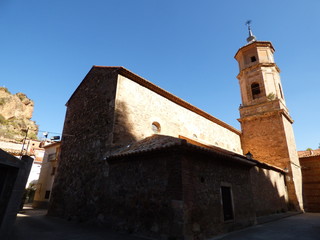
136,158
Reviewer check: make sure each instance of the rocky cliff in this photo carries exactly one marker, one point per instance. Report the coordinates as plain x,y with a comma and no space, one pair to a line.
15,116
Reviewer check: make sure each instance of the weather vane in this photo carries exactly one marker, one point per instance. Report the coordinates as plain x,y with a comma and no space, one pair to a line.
251,37
248,23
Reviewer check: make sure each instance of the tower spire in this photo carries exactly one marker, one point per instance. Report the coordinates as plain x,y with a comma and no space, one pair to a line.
251,37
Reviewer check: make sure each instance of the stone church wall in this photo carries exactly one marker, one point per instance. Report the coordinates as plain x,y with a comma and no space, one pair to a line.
144,196
87,137
175,194
140,107
269,191
203,177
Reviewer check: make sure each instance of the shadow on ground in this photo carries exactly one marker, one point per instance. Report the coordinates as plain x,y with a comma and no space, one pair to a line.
34,224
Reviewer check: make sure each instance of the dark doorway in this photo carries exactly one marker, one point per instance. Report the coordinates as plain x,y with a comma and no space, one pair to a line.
227,203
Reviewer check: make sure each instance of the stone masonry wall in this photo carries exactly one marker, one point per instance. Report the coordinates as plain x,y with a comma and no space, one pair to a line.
144,196
87,137
141,107
203,177
269,191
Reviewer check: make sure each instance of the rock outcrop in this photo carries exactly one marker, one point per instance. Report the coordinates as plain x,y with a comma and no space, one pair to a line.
15,116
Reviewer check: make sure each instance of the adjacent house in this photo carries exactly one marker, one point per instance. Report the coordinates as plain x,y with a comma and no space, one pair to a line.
310,163
47,174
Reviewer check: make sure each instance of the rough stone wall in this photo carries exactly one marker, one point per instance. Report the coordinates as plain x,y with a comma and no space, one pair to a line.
311,183
269,191
144,196
140,107
87,137
203,177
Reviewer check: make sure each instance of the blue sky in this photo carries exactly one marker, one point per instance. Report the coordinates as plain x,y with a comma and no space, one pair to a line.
186,47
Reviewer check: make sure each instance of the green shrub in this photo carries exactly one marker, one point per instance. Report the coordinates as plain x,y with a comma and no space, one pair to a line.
2,101
33,136
3,121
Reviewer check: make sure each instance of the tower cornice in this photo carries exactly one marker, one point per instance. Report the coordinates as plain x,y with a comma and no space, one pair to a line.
259,65
267,114
255,44
265,109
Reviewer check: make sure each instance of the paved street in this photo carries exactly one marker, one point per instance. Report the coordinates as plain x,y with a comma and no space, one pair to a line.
301,227
33,224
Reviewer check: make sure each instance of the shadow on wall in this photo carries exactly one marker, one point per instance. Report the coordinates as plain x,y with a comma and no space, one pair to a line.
269,191
82,178
122,131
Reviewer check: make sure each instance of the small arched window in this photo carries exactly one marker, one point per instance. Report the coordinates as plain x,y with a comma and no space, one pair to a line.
156,127
255,90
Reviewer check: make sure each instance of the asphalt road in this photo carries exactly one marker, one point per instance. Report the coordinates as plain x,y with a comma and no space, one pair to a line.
33,224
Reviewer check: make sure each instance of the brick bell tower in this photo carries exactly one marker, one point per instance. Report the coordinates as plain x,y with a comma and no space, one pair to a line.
266,125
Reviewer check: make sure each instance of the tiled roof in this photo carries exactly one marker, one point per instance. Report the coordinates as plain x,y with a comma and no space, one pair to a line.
156,143
309,153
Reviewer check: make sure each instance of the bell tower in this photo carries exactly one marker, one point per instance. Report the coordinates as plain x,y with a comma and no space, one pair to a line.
266,125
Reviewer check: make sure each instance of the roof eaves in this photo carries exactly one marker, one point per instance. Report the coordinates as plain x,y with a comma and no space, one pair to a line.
126,73
183,144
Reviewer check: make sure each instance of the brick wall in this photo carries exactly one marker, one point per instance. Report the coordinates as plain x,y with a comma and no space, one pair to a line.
311,183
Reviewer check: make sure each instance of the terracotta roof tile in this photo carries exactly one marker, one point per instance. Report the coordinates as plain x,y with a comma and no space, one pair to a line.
309,153
155,142
162,142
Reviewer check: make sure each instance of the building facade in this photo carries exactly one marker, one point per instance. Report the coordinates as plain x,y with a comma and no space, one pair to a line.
47,174
137,158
